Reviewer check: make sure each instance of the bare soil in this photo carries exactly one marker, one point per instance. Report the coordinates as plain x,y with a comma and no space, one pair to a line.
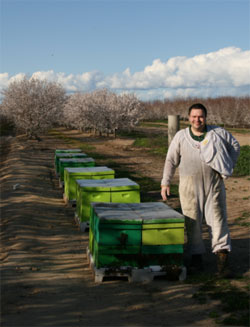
45,276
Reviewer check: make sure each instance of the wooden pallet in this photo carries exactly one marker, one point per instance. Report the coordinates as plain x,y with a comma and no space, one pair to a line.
84,226
61,183
134,274
69,202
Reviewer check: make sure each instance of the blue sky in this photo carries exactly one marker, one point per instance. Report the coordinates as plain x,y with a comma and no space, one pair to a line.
153,48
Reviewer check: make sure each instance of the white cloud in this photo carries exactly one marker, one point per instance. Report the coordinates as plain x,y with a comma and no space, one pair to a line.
4,78
223,72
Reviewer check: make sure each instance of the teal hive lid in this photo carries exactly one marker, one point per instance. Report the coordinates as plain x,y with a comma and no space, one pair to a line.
90,170
70,155
115,184
64,160
148,212
67,150
117,213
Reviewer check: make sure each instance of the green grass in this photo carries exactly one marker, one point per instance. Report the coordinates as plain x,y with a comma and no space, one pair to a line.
233,301
162,123
238,130
242,167
154,144
241,221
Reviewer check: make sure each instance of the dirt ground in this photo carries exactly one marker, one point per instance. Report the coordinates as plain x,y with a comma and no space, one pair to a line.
45,276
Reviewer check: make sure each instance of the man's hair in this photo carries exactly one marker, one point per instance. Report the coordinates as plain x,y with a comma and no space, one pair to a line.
198,106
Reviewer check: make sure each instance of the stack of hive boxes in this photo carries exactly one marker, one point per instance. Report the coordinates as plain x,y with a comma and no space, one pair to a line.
135,235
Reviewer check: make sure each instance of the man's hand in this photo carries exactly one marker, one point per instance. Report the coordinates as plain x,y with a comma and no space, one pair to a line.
165,191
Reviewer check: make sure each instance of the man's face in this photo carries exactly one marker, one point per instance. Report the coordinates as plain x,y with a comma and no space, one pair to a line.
197,120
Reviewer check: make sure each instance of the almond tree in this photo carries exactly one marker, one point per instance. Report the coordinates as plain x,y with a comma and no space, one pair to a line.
131,112
34,105
75,112
102,111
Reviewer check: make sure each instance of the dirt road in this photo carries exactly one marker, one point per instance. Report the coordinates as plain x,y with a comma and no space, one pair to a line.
45,277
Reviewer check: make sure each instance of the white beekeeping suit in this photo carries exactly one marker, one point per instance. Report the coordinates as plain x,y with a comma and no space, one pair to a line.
201,187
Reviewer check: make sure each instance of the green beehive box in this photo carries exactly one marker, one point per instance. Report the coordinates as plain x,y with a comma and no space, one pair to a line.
159,234
65,151
122,190
58,156
74,162
162,235
162,225
110,256
72,174
116,235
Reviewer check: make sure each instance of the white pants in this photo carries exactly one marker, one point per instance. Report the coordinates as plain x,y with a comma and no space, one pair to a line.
204,197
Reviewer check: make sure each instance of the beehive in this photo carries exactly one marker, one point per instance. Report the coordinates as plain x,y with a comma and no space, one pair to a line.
72,174
67,155
136,235
74,162
122,190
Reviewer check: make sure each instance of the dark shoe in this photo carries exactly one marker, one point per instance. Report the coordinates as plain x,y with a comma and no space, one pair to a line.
223,265
196,264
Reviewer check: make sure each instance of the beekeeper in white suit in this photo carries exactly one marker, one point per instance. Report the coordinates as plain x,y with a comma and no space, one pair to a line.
205,155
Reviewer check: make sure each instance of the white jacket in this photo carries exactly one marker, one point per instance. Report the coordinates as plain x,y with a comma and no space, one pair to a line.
219,150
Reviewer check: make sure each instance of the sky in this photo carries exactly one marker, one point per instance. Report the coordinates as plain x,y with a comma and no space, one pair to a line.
156,49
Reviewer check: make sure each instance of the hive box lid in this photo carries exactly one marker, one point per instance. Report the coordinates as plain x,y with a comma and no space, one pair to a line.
116,213
148,212
157,212
115,184
67,150
102,170
64,160
71,155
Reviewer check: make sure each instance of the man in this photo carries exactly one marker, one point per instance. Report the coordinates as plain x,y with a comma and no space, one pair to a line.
205,155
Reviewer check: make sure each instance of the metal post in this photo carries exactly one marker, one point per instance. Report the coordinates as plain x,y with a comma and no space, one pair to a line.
173,126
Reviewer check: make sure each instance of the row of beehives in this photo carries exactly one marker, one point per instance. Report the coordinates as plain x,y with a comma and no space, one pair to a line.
122,231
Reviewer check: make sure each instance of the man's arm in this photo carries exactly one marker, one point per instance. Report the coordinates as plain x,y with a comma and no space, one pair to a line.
171,162
233,146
